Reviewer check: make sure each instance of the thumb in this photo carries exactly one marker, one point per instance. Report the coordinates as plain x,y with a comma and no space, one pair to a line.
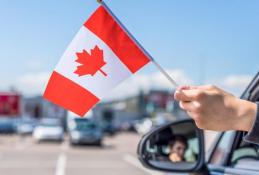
186,95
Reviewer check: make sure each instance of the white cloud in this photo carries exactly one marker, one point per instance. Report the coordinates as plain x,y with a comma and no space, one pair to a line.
32,83
145,82
234,84
160,81
34,65
237,81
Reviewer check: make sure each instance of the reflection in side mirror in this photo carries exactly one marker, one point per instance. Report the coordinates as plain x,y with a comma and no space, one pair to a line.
175,147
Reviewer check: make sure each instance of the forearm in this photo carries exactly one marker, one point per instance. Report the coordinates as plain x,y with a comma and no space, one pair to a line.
253,133
246,112
214,109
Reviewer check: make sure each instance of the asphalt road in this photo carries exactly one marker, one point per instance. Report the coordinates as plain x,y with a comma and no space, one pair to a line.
22,156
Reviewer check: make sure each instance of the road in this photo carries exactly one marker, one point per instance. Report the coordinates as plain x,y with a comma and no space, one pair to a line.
22,156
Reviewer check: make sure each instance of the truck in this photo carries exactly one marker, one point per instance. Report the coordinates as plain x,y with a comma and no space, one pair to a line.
10,104
10,111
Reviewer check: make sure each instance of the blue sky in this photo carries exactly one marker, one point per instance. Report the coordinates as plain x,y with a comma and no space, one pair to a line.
207,40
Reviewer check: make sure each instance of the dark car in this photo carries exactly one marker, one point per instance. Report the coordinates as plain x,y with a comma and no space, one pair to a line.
230,154
7,125
84,131
108,128
107,124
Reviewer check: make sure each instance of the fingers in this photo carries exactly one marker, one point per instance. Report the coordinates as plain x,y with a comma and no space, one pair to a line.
186,87
193,98
192,93
188,106
194,111
179,95
188,95
191,107
174,157
202,87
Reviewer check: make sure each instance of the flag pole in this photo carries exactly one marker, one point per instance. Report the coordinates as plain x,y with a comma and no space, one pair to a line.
169,78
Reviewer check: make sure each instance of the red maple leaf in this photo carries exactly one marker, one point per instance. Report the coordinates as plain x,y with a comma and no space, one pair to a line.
90,63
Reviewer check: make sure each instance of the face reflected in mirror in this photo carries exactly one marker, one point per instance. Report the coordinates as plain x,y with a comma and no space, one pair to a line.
177,143
177,148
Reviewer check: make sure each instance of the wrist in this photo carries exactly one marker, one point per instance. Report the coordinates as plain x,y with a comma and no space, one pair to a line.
246,115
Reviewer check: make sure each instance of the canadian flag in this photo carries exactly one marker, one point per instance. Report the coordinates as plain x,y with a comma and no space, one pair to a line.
101,55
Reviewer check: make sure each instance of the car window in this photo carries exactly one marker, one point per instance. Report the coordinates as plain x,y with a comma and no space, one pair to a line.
223,148
84,125
245,156
245,153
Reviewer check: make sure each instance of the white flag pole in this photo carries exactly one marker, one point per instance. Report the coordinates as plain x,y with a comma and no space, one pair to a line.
169,78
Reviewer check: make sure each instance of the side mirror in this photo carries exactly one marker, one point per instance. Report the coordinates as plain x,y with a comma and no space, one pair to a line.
174,147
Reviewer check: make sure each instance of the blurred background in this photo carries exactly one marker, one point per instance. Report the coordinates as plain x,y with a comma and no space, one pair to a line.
197,42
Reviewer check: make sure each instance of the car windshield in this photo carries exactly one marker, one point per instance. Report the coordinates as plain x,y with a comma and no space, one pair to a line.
84,124
49,123
26,121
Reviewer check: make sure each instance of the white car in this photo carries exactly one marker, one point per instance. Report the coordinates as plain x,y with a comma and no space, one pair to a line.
143,126
26,126
49,129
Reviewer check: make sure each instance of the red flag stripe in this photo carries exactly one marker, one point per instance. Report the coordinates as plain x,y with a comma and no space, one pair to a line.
102,24
64,92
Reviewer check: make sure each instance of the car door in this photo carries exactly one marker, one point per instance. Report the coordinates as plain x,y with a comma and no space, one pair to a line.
231,155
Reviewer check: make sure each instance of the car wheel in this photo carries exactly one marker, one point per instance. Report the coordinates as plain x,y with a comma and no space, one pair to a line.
99,143
72,143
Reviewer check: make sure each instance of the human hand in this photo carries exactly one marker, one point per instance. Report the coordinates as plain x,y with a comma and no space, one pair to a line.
174,157
214,109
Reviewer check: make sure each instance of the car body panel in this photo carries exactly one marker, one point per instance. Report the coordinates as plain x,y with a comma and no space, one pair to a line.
49,129
84,131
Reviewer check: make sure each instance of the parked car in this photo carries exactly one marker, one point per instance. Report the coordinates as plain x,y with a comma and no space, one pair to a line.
49,129
143,126
128,125
7,125
107,123
228,155
26,126
84,131
108,128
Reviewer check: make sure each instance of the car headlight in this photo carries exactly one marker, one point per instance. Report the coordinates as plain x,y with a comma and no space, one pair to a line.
37,133
59,131
75,134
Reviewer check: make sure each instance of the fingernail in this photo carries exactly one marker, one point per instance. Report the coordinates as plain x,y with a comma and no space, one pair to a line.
176,94
185,87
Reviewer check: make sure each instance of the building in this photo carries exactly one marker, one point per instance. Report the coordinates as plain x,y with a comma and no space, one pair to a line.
38,107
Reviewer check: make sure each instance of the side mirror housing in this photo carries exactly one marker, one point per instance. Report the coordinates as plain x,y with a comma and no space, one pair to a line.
175,147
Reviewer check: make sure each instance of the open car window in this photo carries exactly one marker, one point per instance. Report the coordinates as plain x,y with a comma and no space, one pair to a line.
246,155
231,150
223,149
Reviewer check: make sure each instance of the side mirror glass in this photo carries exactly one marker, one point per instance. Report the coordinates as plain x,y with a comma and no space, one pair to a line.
177,147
